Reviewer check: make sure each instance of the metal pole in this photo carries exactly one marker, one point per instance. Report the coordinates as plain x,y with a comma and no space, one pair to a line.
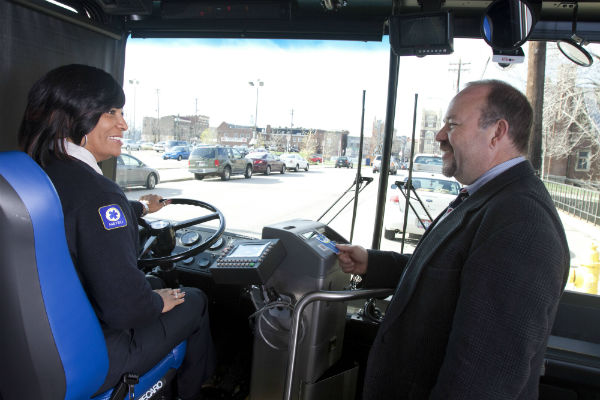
356,190
158,112
410,171
134,83
387,148
256,110
299,308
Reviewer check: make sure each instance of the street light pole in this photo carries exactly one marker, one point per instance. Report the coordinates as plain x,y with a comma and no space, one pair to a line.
134,82
158,112
258,83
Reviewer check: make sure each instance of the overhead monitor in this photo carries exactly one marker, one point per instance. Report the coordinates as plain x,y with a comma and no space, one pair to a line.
421,34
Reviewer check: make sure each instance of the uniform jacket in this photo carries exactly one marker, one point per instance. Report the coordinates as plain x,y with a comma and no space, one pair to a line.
475,302
105,257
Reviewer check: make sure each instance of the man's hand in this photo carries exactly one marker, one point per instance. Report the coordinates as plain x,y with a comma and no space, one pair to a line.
352,259
171,298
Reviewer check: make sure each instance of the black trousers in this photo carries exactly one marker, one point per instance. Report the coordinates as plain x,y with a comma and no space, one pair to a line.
140,349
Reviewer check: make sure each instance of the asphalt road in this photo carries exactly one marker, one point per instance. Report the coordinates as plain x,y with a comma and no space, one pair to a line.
250,204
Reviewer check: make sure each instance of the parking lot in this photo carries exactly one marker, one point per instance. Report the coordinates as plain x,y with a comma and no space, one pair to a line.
250,204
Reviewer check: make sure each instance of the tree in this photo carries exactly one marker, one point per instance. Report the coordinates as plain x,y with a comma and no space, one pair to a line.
208,136
311,142
571,115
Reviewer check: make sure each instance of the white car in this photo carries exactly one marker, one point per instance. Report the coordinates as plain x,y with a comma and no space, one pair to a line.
377,166
129,144
158,147
427,163
294,161
436,191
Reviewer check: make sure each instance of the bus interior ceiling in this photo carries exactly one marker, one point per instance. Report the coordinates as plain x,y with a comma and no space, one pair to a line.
37,35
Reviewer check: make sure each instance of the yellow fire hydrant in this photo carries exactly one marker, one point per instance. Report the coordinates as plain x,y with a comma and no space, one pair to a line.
584,278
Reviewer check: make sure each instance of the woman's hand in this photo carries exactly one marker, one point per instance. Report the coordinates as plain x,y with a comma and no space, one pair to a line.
154,202
171,298
352,259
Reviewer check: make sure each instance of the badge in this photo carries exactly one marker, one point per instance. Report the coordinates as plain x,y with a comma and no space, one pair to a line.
112,217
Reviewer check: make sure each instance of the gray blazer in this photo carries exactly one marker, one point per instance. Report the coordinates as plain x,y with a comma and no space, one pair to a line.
475,302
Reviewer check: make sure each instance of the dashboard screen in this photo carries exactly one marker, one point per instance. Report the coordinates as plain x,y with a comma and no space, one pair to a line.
248,250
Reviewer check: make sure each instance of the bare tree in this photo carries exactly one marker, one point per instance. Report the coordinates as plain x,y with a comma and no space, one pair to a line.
310,142
571,115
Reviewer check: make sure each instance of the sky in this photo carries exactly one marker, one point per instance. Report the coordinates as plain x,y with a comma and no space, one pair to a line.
321,81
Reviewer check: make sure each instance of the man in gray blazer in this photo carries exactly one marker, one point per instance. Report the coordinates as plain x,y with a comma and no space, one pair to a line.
475,302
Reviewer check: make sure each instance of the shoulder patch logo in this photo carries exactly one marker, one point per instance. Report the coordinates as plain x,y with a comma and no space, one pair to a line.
112,217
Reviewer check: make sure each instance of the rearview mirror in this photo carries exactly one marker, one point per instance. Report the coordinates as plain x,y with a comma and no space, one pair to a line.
506,24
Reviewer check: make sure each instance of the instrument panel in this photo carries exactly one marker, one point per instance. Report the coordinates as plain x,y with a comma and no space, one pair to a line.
200,263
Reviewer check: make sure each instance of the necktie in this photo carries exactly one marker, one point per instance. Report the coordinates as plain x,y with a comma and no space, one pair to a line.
463,194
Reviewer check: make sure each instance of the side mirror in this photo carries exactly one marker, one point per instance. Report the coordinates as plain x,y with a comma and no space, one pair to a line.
575,52
506,24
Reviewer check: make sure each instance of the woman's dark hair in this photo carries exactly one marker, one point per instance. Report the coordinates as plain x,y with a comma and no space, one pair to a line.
66,103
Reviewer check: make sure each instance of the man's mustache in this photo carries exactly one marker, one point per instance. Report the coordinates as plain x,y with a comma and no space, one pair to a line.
445,146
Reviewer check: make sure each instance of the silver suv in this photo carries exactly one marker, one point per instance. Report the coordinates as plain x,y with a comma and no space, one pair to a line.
222,161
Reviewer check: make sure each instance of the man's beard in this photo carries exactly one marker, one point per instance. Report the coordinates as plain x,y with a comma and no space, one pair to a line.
449,169
448,166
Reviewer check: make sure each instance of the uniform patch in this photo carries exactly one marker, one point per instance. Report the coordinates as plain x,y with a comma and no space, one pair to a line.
112,217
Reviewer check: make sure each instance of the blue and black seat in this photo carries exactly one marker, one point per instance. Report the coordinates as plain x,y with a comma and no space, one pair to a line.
51,342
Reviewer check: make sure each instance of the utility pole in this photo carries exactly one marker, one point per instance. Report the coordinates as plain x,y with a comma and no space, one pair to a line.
134,83
196,120
292,121
459,69
536,71
158,113
258,83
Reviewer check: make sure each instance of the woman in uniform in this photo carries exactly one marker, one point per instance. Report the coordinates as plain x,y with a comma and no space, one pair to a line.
73,120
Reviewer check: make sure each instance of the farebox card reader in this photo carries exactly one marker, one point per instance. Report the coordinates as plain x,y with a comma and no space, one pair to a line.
248,262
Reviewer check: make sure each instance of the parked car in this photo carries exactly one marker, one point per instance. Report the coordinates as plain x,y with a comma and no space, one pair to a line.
294,161
222,161
169,144
177,153
427,163
343,161
130,144
316,158
133,172
436,191
242,149
159,146
147,146
377,166
266,162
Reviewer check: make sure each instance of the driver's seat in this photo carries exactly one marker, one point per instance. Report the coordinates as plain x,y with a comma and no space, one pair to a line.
51,343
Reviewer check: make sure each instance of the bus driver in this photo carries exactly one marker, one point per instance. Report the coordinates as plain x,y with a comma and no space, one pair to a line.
475,302
73,120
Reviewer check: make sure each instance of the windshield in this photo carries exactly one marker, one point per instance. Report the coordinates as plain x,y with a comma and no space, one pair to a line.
314,105
256,155
203,152
436,185
428,160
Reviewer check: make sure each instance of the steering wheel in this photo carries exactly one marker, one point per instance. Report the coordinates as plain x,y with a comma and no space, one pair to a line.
162,240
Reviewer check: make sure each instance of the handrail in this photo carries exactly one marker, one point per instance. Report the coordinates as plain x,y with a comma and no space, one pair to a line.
299,308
